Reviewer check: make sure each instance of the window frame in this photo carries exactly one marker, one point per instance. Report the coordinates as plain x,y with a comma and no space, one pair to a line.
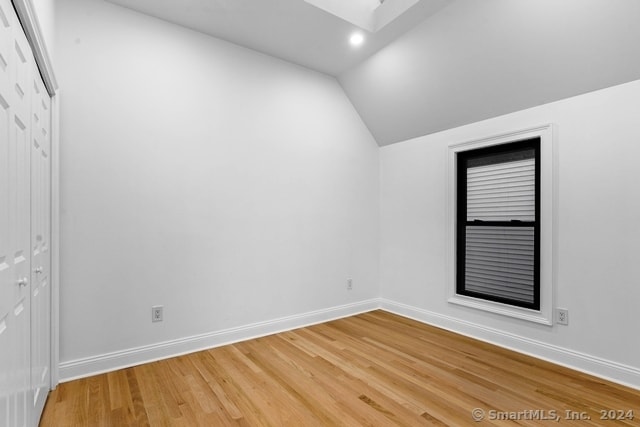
462,222
542,312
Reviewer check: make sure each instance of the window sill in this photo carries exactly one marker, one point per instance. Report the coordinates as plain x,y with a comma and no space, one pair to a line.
536,316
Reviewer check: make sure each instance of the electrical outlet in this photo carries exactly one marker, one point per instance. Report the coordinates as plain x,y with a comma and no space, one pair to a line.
349,284
562,316
156,313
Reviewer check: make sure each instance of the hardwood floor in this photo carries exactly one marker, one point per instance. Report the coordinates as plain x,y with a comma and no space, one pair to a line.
374,369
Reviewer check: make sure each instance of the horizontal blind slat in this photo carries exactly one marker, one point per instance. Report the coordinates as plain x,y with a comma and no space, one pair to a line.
478,181
500,293
515,164
525,263
496,286
486,196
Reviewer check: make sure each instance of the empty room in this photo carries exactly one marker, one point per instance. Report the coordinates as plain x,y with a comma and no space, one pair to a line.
319,212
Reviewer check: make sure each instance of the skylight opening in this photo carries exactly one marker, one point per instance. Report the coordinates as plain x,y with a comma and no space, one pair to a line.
370,15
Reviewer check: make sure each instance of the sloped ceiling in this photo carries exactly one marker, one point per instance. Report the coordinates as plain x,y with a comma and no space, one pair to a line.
293,30
444,63
479,59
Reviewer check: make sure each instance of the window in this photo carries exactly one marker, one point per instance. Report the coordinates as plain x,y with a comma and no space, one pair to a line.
500,217
497,224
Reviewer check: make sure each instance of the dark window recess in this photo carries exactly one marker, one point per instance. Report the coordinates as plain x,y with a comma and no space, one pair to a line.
498,223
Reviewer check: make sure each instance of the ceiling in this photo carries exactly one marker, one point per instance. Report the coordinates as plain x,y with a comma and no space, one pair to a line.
293,30
442,63
477,59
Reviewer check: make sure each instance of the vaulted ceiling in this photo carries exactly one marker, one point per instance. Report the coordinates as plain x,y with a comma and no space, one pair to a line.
441,64
294,30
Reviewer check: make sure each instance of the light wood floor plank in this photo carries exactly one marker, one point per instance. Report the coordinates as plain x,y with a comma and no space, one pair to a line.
374,369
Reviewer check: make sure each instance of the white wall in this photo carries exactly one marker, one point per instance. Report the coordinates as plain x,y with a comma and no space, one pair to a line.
46,19
226,185
598,235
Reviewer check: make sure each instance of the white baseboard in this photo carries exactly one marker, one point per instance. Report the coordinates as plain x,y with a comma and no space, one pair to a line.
85,367
606,369
598,367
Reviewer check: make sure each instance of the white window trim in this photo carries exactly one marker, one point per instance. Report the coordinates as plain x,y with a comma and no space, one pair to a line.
548,221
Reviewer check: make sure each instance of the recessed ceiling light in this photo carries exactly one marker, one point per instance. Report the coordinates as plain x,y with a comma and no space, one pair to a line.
356,39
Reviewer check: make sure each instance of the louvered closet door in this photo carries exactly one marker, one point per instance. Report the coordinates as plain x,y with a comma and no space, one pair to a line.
16,64
40,245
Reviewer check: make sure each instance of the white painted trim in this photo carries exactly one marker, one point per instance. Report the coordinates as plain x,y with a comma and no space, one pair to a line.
55,239
85,367
592,365
28,19
548,217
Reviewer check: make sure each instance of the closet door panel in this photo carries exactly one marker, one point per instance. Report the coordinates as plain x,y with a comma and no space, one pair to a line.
16,66
40,255
20,219
6,273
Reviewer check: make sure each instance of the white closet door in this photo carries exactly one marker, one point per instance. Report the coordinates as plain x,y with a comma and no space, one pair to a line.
16,66
7,284
40,245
